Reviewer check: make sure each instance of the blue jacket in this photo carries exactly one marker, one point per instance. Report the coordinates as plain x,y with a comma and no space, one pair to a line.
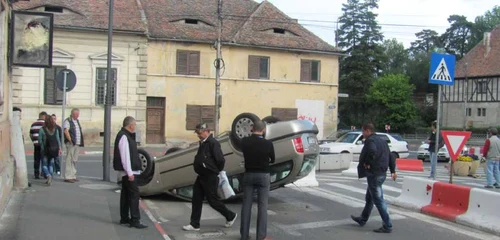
377,154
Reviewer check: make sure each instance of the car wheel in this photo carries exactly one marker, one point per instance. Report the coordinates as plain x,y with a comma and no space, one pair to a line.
344,152
242,125
271,119
171,150
146,163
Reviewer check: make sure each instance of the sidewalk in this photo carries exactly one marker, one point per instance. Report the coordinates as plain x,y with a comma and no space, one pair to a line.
154,150
85,210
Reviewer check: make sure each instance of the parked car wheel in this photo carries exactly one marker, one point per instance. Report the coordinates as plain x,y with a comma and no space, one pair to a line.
271,119
171,150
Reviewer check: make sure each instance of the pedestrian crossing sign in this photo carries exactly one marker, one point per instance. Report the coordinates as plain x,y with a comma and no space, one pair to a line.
442,70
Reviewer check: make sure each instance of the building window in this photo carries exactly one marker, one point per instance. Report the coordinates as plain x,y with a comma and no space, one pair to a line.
481,112
101,77
196,114
53,96
468,112
188,63
258,67
482,87
285,114
310,71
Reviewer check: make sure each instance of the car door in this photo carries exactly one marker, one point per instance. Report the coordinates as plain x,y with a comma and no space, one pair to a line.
357,147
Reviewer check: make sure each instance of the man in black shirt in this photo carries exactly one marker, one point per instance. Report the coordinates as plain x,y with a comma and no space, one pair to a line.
374,161
208,162
258,153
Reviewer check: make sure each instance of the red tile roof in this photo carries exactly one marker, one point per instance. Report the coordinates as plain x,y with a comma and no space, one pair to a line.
92,14
482,61
245,23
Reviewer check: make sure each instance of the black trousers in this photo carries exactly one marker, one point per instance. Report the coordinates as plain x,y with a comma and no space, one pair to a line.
129,201
206,186
37,160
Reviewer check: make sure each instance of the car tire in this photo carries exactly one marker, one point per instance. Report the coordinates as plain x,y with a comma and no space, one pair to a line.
146,163
241,128
171,150
271,119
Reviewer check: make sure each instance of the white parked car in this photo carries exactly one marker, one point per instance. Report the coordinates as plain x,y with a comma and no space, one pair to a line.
352,142
443,154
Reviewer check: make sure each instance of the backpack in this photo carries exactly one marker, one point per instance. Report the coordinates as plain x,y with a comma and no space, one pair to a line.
51,144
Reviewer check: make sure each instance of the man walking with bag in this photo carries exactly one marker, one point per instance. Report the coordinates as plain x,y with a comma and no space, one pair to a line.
258,153
126,161
208,162
374,161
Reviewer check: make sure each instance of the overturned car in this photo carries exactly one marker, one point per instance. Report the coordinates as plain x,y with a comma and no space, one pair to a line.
295,144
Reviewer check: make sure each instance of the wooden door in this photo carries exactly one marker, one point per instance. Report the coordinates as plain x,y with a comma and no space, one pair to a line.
155,120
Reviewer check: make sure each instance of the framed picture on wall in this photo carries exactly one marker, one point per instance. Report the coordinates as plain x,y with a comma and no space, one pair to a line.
31,43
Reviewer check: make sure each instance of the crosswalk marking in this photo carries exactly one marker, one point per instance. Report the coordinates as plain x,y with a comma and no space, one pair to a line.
388,188
356,190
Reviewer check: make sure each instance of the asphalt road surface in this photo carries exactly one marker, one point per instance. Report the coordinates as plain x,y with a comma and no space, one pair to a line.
306,213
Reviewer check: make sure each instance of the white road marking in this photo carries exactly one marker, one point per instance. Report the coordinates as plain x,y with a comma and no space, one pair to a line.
333,180
475,184
356,190
388,188
336,177
292,229
153,219
476,234
209,213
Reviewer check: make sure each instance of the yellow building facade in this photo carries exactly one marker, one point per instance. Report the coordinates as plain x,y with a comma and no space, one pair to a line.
282,89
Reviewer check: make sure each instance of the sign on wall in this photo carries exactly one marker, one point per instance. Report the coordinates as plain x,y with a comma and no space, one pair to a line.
32,35
312,110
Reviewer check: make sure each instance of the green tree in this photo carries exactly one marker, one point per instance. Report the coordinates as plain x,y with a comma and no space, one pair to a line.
393,96
427,41
359,35
396,57
457,38
485,23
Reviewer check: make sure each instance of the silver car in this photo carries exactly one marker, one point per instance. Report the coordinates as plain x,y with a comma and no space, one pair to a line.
295,144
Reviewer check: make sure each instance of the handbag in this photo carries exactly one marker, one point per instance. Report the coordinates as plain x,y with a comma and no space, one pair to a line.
224,189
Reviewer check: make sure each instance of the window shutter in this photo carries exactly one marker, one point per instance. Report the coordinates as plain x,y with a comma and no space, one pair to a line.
182,63
253,67
194,63
305,71
208,115
193,116
49,91
284,114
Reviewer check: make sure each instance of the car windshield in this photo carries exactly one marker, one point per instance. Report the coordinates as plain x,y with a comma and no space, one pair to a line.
348,138
397,137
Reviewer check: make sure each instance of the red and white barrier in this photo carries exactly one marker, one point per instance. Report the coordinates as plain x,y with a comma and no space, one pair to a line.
352,171
473,207
482,211
476,151
415,193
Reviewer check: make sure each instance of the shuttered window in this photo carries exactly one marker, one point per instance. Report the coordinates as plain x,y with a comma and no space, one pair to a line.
284,114
53,96
188,63
258,67
310,71
196,114
100,92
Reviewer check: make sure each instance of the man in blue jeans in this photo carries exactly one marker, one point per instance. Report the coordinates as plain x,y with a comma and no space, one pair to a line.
491,151
432,149
374,161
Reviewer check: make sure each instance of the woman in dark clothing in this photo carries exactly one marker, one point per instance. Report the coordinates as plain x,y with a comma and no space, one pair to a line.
50,143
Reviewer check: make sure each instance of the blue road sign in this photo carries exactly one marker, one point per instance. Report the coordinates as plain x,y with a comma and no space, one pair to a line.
442,70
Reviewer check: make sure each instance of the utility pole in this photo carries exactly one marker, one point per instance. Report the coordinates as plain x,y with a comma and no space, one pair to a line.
466,95
217,68
108,99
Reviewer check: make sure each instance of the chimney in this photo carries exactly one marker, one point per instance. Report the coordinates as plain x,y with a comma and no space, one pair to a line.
487,43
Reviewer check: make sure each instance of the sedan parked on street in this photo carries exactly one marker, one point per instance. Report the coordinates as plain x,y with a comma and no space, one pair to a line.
443,154
353,142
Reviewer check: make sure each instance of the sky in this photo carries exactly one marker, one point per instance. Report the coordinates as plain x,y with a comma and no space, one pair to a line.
319,16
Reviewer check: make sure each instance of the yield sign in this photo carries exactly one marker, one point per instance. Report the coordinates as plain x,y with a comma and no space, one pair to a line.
455,142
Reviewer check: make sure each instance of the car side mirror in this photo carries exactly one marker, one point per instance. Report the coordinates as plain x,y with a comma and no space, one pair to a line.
359,142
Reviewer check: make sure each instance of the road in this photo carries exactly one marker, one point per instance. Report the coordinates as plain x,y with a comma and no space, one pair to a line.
306,213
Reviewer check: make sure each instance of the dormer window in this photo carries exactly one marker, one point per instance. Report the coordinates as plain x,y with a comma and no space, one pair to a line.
53,9
279,30
191,21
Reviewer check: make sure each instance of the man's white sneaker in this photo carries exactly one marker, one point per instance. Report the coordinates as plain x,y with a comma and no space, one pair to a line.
230,223
190,228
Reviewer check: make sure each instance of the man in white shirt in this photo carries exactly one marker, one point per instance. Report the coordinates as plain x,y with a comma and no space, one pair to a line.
73,137
126,161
